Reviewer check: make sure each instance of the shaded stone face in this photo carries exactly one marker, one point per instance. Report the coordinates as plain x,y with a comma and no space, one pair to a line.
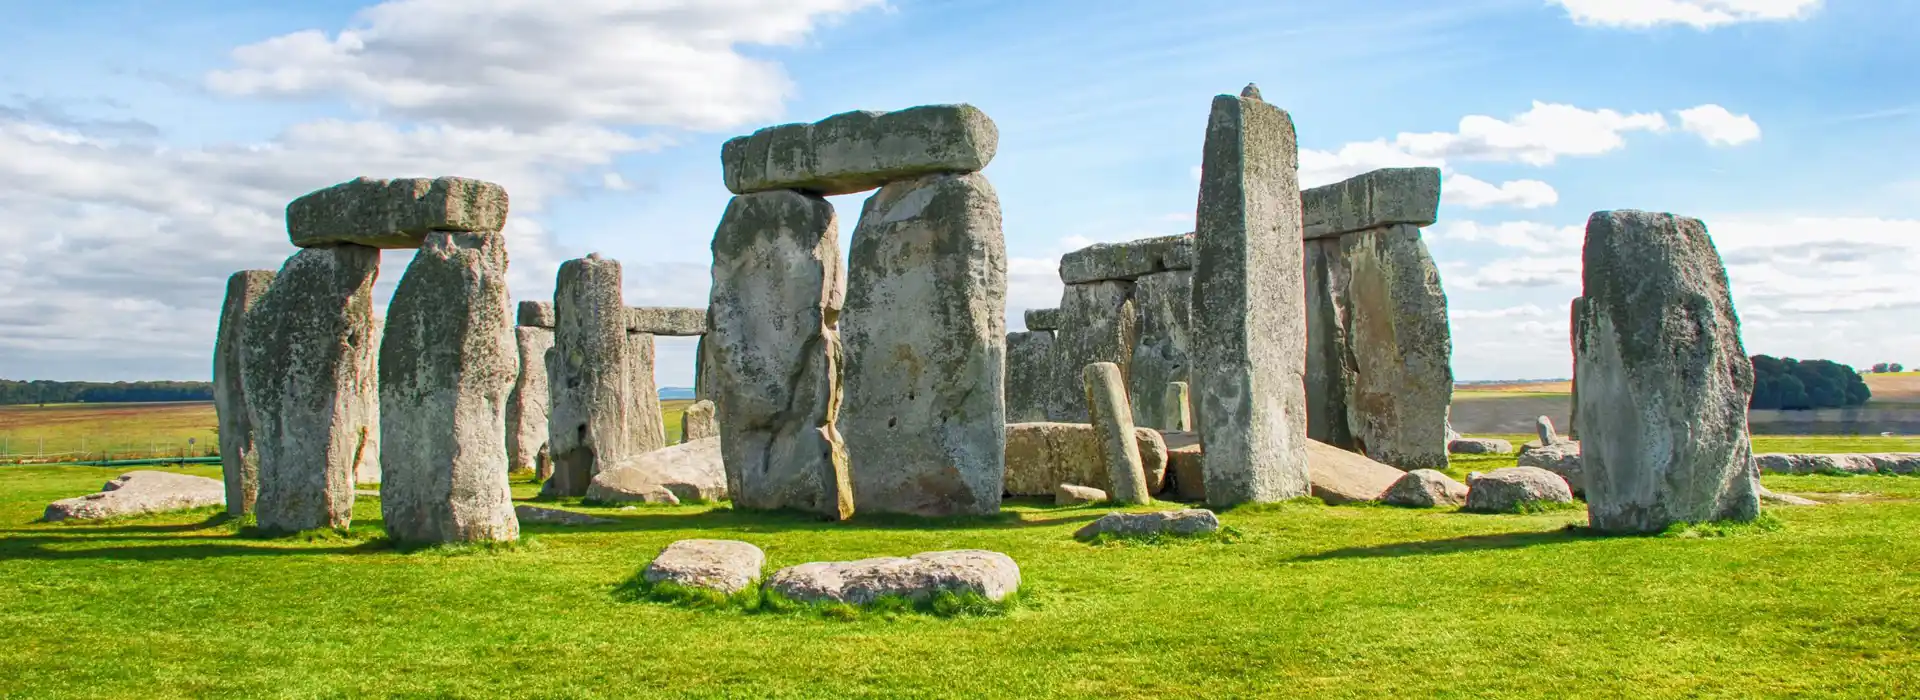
1098,323
667,320
394,213
1402,349
1576,307
447,364
1379,199
925,331
1162,351
645,429
527,404
1041,456
538,314
239,463
1127,261
587,384
1030,375
697,423
1330,367
1249,321
859,151
1664,379
1112,421
308,385
772,354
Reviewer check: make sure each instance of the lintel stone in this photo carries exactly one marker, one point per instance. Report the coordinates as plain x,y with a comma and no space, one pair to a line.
394,213
1377,199
1128,260
667,320
858,151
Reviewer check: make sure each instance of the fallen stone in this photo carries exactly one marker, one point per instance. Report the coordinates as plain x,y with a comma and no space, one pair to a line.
1543,427
924,412
646,424
1043,455
697,423
395,213
1112,420
1562,458
1127,261
989,574
1030,375
1071,495
692,471
140,493
1043,319
859,151
773,355
1869,463
1098,323
667,320
1339,476
527,403
588,425
239,462
727,566
1401,348
1664,380
538,314
1479,446
1507,490
1425,488
549,516
1784,499
1249,329
1162,350
1378,199
1178,523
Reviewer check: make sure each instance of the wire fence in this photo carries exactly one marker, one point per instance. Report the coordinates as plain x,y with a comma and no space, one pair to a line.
31,448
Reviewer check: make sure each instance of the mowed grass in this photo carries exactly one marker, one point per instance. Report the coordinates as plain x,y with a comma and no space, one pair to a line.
1308,600
121,430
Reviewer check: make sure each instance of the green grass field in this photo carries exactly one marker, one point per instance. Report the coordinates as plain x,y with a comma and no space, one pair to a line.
1351,601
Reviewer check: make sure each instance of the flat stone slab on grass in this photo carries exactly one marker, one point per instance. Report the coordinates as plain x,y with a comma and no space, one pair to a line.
1041,456
394,213
549,516
687,472
727,566
1071,495
1338,476
1479,446
859,151
1506,490
989,574
139,493
1425,488
1863,463
1784,499
1191,522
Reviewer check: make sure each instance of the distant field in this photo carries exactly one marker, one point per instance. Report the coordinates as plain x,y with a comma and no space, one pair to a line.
1900,388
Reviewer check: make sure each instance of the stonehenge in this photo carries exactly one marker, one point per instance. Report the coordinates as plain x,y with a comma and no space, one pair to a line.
239,463
527,403
1112,421
587,376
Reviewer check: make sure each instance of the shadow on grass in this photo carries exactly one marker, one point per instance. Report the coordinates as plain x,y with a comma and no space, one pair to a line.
108,527
31,548
725,518
1469,543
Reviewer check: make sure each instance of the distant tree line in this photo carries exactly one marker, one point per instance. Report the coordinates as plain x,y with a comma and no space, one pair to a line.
37,392
1798,385
1887,367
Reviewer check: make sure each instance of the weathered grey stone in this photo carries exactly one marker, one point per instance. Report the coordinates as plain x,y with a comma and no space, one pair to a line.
534,515
1382,198
1249,323
1071,495
538,314
667,320
1112,420
1562,458
1479,446
1186,466
1162,348
1178,523
239,463
588,426
1330,362
1543,427
646,425
691,471
702,372
394,213
1043,319
697,423
858,151
1098,323
1402,348
1043,455
1573,387
1339,476
1030,375
925,332
1664,379
1511,489
989,574
1127,261
1176,409
366,464
1425,488
527,403
447,364
308,385
727,566
1869,463
773,355
140,493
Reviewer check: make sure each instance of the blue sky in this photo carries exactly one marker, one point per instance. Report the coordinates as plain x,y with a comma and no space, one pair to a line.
147,147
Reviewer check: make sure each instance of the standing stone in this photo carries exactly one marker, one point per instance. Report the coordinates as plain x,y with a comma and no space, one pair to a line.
366,461
446,366
1249,330
773,356
925,330
1161,353
1030,375
1178,410
646,429
527,404
1113,427
304,385
239,462
1402,349
702,370
1330,369
587,422
697,422
1543,429
1098,323
1573,410
1664,379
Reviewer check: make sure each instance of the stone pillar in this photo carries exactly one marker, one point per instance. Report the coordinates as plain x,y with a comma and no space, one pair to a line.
1030,375
773,355
588,423
925,331
1664,378
239,462
1112,420
447,364
527,404
1178,410
646,429
697,423
1249,313
1098,323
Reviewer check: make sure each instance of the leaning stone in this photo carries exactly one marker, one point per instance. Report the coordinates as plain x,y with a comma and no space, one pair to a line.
1176,409
646,424
1030,375
1098,323
925,330
1249,335
1562,458
587,402
667,320
1543,427
1337,476
1126,261
1479,446
691,471
1384,197
1401,346
1664,380
991,575
1163,349
239,463
1191,522
538,314
1042,455
773,355
308,385
140,493
527,403
697,422
395,213
446,367
858,151
1043,319
1071,495
1425,488
1113,431
549,516
1508,490
727,566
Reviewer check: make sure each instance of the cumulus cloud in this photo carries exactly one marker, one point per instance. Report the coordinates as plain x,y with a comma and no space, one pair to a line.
1538,136
1530,236
1474,193
1699,14
1718,126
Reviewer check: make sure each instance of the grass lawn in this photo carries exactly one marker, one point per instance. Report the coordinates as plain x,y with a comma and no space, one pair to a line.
1352,601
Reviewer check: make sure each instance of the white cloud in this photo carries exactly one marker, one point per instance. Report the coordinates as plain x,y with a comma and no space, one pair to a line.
1474,193
1718,126
1538,136
1699,14
1530,236
1514,273
1522,311
1327,167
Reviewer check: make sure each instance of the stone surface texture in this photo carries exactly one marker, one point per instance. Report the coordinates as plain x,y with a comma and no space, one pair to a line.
1178,523
1340,476
139,493
1176,408
858,151
239,462
1043,319
1425,488
1330,362
646,427
1071,495
538,314
1112,420
727,566
1479,446
1866,463
1398,336
535,515
692,472
395,213
1030,375
675,321
527,403
587,403
1377,199
698,423
1562,458
989,574
1163,347
1543,430
1505,490
1128,260
1041,456
1098,323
